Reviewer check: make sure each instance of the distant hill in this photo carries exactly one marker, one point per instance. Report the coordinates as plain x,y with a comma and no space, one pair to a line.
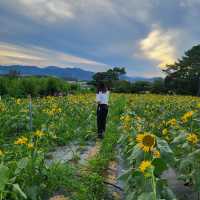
72,73
66,73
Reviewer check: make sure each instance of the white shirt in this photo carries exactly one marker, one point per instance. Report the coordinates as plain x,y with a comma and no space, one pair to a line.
102,98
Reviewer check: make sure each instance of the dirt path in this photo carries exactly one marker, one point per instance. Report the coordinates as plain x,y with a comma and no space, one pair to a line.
107,148
90,153
59,197
93,151
111,178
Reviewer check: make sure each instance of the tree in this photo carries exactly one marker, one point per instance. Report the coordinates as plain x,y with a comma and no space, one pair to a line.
122,86
3,86
53,86
13,73
141,86
184,75
158,86
108,77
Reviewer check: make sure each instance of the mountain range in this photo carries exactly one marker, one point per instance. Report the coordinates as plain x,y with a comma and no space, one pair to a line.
66,73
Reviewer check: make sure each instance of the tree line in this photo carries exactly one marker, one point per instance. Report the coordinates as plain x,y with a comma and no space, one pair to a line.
17,86
182,77
112,79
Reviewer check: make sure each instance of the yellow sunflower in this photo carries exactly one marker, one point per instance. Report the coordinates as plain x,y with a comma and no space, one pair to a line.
146,141
30,145
172,122
156,154
39,133
21,140
164,131
144,165
192,138
187,116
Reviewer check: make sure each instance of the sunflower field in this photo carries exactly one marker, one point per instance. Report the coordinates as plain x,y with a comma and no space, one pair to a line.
160,133
152,133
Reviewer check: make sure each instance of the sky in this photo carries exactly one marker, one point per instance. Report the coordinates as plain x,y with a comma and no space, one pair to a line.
141,35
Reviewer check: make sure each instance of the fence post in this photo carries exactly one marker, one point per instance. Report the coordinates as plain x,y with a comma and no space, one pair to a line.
30,113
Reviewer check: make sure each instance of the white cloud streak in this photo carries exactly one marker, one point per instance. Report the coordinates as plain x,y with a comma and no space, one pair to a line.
46,10
33,55
58,11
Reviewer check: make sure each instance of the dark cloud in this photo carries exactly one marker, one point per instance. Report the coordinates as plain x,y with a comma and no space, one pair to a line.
107,32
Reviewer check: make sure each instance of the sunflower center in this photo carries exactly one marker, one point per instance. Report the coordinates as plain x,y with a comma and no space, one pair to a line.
148,140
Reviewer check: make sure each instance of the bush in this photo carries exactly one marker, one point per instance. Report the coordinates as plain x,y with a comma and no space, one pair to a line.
35,86
3,87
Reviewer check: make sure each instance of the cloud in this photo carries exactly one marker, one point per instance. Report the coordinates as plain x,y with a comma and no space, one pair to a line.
34,55
57,11
160,46
106,31
42,10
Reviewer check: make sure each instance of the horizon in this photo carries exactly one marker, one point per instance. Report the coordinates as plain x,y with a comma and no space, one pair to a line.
44,67
96,35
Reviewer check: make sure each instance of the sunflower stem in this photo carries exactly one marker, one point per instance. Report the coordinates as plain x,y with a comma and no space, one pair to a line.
153,185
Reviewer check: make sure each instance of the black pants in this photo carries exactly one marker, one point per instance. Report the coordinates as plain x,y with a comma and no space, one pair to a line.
102,111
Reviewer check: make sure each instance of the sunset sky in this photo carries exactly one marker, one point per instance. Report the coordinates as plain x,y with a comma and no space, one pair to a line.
140,35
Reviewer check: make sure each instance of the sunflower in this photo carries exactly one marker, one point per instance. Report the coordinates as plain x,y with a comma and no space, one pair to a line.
164,131
146,141
187,116
172,122
30,145
39,133
18,101
156,154
144,165
192,138
21,140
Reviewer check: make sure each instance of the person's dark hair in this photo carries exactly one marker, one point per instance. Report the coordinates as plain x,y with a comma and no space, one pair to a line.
101,87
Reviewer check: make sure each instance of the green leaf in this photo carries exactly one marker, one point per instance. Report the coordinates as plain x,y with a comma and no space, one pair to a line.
4,177
22,164
163,146
185,163
32,192
146,196
135,153
168,194
165,150
160,166
131,196
125,175
195,154
17,188
179,139
197,180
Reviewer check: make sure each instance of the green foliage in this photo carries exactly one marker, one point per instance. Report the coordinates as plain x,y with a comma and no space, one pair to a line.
141,86
122,86
183,77
158,86
35,86
109,77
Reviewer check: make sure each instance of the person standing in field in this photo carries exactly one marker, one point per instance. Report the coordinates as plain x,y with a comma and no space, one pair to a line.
102,97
